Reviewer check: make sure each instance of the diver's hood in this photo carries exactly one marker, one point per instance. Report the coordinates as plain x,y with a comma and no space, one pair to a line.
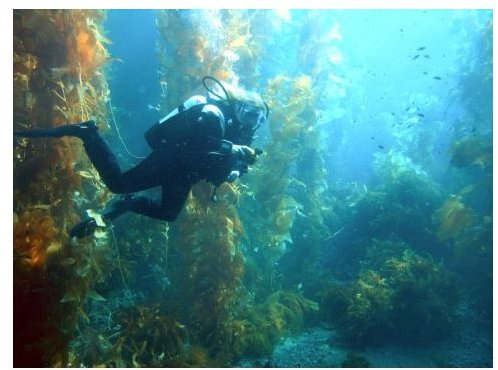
249,115
247,108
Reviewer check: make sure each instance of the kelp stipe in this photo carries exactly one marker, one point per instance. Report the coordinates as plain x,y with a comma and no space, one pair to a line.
57,58
207,234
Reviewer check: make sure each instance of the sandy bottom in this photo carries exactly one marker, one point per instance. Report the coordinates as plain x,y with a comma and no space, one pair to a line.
470,345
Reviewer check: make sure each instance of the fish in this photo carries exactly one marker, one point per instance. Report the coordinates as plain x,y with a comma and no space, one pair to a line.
380,146
425,73
415,57
437,78
156,108
338,231
426,56
421,48
372,138
420,115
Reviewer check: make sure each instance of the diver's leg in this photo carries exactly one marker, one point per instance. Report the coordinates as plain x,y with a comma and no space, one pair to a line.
145,175
89,225
104,161
80,130
174,195
98,151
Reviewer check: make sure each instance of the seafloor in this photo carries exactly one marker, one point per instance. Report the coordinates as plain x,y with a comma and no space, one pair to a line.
469,346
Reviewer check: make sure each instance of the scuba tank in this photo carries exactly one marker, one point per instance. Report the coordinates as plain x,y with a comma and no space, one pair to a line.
172,129
169,129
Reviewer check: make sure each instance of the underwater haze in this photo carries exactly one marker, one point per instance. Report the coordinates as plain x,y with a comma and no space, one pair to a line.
360,237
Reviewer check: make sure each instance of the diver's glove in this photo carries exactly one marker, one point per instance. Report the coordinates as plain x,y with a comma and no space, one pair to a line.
233,176
246,154
242,153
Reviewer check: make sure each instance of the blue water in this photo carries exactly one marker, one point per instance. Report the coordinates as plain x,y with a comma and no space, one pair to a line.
133,80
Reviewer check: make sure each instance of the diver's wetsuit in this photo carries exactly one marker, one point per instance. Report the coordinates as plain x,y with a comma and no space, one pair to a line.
191,146
189,152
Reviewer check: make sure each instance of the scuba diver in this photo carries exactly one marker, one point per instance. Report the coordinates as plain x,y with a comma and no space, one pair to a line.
206,137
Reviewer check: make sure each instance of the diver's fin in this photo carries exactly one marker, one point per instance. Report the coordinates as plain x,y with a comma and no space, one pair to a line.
80,130
89,225
84,228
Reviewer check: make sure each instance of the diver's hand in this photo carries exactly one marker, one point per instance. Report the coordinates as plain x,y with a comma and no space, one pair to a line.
245,153
233,176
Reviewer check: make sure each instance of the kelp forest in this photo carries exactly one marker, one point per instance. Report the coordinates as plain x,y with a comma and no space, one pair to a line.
368,212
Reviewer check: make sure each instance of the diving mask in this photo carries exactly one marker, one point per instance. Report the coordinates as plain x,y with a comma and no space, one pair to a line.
249,115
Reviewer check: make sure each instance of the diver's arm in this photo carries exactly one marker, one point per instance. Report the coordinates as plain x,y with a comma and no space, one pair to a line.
233,161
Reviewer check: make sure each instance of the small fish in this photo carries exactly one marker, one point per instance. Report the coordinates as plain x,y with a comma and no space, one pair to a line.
380,146
437,78
426,56
425,73
420,115
421,48
340,230
415,57
372,138
156,108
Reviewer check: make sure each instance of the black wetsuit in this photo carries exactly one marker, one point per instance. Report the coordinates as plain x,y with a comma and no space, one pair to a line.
190,150
201,141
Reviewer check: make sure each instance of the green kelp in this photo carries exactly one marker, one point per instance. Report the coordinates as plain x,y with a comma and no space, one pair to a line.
475,81
58,56
411,196
399,206
405,297
453,218
256,328
211,236
208,234
271,176
219,44
148,338
472,151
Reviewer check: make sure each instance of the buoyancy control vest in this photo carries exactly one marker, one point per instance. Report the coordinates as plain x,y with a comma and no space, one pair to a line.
174,128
